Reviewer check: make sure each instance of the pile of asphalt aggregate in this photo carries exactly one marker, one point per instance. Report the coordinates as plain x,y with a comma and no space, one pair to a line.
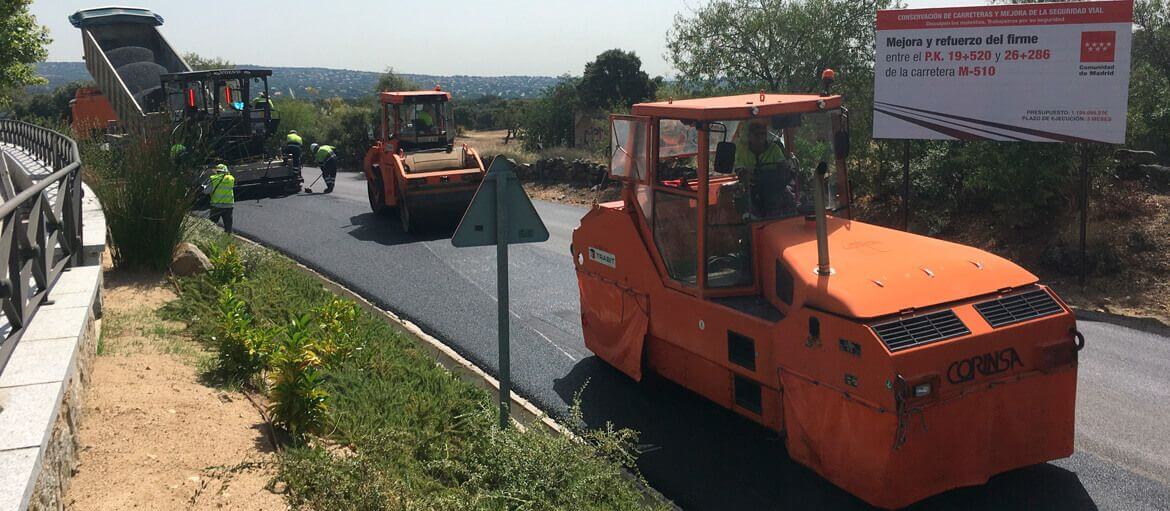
128,55
139,76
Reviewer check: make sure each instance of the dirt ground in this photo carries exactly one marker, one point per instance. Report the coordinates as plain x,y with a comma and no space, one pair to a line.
153,436
567,194
491,142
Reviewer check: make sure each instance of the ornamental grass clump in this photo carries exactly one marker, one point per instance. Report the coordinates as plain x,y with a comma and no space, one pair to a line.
145,197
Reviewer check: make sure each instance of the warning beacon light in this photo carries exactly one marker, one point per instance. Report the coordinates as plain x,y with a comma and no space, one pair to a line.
827,77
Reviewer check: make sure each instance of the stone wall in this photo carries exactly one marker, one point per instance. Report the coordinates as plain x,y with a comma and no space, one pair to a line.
60,458
576,172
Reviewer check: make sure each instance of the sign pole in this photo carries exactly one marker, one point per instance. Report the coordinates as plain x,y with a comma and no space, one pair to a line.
1084,196
502,297
501,214
906,185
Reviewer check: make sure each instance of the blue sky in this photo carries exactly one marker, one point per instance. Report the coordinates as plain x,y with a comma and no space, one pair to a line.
503,37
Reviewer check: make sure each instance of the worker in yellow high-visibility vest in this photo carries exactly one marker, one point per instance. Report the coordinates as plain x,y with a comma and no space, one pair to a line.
327,159
221,189
765,173
292,148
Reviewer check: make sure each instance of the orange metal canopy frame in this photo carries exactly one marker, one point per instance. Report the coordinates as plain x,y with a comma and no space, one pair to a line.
737,107
400,97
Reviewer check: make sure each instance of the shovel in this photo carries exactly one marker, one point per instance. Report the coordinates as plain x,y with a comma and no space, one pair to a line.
309,189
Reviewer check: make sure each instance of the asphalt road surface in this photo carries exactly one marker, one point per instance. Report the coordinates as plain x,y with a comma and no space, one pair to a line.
697,454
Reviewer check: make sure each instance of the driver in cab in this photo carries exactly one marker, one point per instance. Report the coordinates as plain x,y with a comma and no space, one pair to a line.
424,120
764,173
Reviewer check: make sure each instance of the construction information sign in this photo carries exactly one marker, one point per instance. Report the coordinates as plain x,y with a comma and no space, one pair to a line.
1054,72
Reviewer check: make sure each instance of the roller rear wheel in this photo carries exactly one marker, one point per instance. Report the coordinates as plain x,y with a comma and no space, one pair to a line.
377,194
409,224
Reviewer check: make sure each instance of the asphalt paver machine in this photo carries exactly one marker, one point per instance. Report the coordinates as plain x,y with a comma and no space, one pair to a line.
896,366
149,87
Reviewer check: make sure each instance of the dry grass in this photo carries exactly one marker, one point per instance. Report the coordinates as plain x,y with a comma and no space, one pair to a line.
490,143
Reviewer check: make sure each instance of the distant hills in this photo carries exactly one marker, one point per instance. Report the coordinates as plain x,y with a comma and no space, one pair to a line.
317,82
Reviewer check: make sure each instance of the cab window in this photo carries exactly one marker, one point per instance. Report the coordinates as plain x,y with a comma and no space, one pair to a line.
628,148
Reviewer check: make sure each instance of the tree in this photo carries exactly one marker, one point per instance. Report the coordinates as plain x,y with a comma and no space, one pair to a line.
780,45
391,81
22,44
201,63
1149,100
615,78
1152,39
548,120
49,108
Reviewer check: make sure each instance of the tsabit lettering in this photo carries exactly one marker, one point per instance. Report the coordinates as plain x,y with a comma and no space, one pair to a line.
987,364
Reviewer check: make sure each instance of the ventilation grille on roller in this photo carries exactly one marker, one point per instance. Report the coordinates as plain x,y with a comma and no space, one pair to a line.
918,330
1017,308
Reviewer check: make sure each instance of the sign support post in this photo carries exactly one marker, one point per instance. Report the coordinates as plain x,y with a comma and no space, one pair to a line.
502,320
906,185
501,214
1083,267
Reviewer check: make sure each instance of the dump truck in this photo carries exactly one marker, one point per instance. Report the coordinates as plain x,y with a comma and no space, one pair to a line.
896,366
151,88
415,165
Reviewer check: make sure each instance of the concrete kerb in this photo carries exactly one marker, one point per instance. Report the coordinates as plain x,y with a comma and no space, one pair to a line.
524,413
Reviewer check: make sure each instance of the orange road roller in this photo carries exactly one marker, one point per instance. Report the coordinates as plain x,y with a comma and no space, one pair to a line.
895,365
415,166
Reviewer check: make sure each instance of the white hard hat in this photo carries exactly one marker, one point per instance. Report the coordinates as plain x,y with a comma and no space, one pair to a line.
313,147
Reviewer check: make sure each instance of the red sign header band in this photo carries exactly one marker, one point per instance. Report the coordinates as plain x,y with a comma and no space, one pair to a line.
1007,15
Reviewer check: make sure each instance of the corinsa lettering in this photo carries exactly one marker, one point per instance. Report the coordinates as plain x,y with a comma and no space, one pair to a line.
987,364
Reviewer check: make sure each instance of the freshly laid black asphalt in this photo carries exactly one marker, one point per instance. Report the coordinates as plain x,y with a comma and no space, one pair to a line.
697,454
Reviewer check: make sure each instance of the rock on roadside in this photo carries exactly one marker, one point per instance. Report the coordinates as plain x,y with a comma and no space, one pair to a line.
189,260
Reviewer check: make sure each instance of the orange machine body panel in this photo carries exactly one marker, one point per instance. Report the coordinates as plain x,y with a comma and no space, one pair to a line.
419,171
824,366
90,112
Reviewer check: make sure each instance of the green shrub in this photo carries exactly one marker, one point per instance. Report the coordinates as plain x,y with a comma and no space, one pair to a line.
227,267
295,381
297,114
347,126
242,350
334,319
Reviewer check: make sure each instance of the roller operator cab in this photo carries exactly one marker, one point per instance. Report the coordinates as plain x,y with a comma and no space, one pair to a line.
896,366
415,166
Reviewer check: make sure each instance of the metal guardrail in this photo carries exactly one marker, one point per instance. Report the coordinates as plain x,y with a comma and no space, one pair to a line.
39,237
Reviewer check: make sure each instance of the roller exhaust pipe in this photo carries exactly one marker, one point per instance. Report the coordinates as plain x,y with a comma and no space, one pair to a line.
823,268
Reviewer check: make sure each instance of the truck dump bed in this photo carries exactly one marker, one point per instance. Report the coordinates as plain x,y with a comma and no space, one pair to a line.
126,55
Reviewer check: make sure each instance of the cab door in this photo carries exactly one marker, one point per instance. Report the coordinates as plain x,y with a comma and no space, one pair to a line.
615,317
